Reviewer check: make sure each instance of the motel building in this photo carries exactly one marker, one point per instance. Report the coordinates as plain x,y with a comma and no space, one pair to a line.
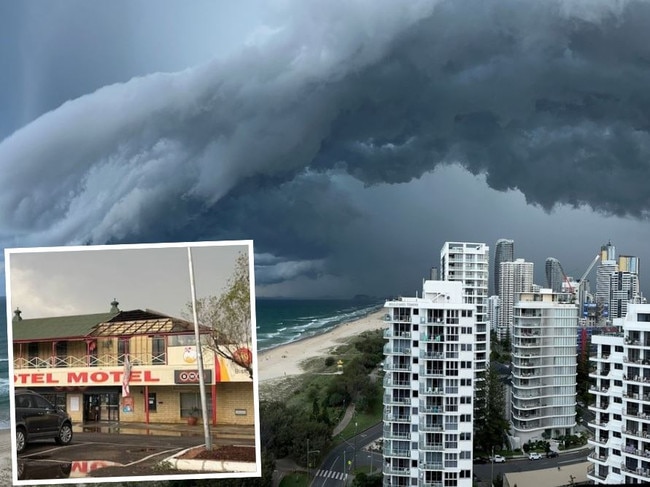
79,363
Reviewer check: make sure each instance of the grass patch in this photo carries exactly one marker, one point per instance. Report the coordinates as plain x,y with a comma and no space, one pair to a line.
296,479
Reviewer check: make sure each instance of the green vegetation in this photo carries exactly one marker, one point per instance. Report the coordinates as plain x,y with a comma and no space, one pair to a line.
489,420
362,479
298,479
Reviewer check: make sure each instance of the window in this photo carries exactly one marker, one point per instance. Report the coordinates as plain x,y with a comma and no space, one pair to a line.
158,350
618,348
466,400
466,382
192,400
465,418
181,340
61,353
465,436
617,417
122,349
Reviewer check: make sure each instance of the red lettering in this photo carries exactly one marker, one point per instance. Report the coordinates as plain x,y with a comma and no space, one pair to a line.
37,378
99,376
117,374
21,378
148,378
49,379
136,375
77,377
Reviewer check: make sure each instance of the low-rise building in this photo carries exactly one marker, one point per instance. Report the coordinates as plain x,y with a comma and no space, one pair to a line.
127,366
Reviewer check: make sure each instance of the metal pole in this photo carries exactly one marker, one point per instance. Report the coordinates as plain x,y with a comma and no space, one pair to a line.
199,357
492,471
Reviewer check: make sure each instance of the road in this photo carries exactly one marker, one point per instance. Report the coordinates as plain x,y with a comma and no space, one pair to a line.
334,469
482,473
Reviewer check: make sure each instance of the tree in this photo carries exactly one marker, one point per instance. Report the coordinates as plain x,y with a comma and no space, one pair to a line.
228,317
490,420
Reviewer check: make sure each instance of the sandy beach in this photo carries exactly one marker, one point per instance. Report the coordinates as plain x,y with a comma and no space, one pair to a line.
285,360
5,457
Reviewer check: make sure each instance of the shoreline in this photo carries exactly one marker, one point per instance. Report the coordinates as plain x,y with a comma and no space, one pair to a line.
5,457
284,360
322,331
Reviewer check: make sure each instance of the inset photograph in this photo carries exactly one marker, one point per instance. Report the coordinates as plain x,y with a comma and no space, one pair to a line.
133,362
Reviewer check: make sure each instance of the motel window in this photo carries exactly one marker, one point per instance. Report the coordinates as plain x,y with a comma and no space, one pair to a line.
181,340
61,353
32,352
122,349
191,400
158,350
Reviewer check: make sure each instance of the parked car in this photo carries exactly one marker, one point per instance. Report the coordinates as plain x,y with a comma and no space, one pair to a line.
481,460
498,459
552,454
534,456
38,418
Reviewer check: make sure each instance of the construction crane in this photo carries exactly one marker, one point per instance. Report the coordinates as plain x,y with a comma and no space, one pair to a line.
591,266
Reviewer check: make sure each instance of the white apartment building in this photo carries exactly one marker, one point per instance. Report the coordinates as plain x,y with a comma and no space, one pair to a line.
493,306
516,277
469,263
428,388
622,410
544,344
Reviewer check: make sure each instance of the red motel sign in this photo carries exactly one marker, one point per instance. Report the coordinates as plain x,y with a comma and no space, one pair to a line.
97,377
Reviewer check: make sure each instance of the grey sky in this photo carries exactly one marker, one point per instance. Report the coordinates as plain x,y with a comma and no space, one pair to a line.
62,282
349,139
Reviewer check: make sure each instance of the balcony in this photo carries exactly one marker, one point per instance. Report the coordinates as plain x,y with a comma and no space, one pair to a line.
391,451
102,360
389,399
390,333
431,355
426,372
425,337
431,391
390,434
599,458
431,427
404,366
397,418
431,446
402,384
394,350
644,473
390,470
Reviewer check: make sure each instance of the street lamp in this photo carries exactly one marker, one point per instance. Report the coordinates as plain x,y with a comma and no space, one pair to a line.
354,458
492,470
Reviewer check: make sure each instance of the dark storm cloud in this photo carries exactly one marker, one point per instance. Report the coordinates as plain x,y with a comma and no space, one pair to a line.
550,98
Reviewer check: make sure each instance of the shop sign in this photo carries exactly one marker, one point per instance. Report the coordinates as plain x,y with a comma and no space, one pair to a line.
191,376
99,377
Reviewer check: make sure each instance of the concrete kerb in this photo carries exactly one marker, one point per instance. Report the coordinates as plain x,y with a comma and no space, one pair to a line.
216,466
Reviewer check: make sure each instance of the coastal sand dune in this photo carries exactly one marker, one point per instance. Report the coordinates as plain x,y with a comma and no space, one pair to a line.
285,360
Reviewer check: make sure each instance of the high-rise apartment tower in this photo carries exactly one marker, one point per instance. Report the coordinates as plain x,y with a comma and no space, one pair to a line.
428,388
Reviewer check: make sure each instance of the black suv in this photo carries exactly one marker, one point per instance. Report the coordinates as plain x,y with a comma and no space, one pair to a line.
36,417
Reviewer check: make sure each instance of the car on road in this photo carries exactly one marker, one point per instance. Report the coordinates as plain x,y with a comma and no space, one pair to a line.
481,460
552,454
534,456
38,418
498,459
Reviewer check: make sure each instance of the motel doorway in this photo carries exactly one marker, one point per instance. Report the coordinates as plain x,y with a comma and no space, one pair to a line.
101,406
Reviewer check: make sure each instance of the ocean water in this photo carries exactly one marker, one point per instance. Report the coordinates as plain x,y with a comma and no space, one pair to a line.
279,321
